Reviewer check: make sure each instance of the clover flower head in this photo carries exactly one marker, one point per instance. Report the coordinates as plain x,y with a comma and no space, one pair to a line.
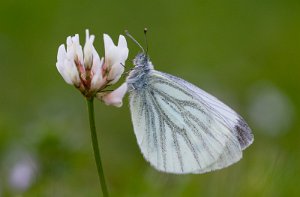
86,70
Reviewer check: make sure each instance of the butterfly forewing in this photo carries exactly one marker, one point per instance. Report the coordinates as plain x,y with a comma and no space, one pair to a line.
182,129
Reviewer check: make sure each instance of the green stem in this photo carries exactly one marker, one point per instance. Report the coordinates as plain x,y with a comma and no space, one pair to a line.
90,102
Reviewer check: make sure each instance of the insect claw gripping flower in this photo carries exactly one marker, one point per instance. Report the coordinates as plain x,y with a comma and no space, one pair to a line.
89,73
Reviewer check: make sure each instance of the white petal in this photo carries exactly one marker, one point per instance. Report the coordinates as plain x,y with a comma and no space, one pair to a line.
115,97
123,54
70,48
72,72
97,80
88,55
74,49
88,52
108,43
79,53
115,73
96,58
75,39
89,38
87,35
61,66
122,42
115,56
69,41
68,71
111,50
63,73
61,54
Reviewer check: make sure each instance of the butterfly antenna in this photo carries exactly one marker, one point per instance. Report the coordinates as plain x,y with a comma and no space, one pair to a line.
134,40
146,40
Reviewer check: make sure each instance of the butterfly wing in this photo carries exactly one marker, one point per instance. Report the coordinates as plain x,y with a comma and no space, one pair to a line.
182,129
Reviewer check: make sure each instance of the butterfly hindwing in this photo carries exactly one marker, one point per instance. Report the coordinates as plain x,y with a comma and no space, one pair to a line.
182,129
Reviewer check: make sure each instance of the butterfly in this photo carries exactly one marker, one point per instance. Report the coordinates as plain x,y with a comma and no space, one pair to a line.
179,127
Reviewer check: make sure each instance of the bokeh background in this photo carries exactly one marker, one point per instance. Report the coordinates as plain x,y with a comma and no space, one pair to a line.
247,53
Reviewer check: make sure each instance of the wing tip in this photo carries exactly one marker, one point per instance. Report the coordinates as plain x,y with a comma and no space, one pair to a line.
244,133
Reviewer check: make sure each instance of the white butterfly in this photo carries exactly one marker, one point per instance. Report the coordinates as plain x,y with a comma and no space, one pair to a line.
179,127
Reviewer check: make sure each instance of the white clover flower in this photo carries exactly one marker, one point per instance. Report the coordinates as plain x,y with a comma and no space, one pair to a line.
87,71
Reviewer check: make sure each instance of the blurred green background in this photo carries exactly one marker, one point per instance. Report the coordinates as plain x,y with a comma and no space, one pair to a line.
247,53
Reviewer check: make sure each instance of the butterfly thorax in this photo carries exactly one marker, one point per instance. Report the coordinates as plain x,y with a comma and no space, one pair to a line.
137,78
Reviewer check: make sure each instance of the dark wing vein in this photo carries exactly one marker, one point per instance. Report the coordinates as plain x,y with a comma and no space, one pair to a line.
164,118
201,100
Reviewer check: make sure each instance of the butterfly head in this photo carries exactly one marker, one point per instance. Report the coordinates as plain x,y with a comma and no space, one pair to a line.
142,60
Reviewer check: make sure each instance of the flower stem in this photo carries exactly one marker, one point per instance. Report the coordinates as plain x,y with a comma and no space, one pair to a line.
90,102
